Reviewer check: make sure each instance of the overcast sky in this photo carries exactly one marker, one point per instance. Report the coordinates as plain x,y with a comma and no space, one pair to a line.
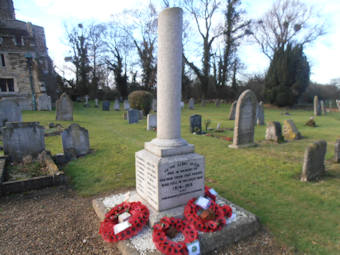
323,55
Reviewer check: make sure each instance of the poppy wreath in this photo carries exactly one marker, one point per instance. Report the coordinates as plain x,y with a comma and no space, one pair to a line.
164,244
191,215
208,194
138,219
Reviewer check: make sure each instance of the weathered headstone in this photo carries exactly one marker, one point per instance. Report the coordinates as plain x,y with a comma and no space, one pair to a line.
9,112
151,122
322,106
86,103
245,120
106,105
203,102
337,151
22,139
317,109
154,105
274,132
260,114
290,131
96,104
64,108
191,103
44,103
314,161
141,114
116,105
164,164
232,111
126,105
75,141
217,102
196,124
133,116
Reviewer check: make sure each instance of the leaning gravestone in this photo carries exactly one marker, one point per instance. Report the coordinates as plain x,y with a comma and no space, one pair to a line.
116,105
322,107
154,105
191,103
196,124
314,161
290,131
133,116
106,105
260,114
232,111
274,132
22,139
9,112
337,151
126,105
317,109
64,108
151,122
245,120
75,141
44,103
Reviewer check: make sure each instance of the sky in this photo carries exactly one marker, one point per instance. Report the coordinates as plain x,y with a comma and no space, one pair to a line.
323,55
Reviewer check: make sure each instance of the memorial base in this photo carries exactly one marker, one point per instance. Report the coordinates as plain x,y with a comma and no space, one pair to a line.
241,225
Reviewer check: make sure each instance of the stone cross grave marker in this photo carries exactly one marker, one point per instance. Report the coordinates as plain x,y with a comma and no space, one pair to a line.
232,111
290,131
116,105
168,172
64,108
245,119
133,116
260,114
191,103
75,141
44,103
151,122
9,112
317,109
106,105
196,123
274,132
314,161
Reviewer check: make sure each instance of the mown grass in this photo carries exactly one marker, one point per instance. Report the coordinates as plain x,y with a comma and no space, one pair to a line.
264,180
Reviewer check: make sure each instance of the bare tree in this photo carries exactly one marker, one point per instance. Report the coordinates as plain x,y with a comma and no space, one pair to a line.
288,21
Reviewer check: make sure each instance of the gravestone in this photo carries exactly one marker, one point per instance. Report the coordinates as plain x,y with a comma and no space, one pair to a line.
245,120
116,105
217,102
44,103
151,122
141,114
182,105
75,141
86,103
22,139
219,127
322,106
260,114
64,108
106,105
274,132
133,116
317,109
126,105
154,105
96,103
232,111
168,172
290,131
203,102
196,124
191,103
314,161
9,112
337,104
337,151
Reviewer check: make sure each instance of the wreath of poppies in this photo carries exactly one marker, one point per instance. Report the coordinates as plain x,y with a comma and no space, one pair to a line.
164,244
138,219
220,212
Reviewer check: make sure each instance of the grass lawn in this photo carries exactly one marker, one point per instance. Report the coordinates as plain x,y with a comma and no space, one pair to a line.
263,180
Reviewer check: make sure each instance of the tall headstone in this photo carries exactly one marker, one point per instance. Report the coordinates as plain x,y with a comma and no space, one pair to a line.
116,105
245,120
164,166
317,109
232,111
337,151
133,116
151,122
154,105
64,108
290,131
86,103
274,132
75,141
22,139
314,161
126,105
44,103
191,103
260,114
9,112
106,105
196,124
96,104
322,107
